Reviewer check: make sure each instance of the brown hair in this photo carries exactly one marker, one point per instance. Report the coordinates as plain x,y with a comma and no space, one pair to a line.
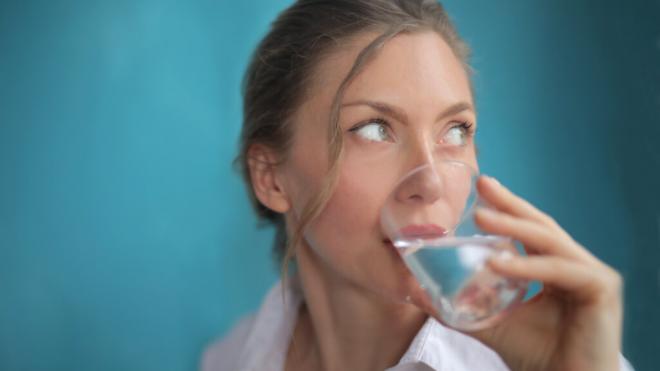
281,68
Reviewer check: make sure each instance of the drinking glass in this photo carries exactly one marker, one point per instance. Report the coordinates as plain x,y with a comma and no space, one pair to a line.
429,219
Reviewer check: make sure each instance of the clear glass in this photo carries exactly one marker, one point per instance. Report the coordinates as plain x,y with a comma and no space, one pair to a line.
429,220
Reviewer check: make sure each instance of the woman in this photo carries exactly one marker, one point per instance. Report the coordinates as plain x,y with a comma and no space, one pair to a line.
342,98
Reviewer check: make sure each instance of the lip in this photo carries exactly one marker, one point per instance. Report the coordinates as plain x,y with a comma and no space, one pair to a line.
423,231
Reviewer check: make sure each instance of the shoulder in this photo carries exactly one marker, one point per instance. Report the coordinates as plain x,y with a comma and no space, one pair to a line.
223,353
260,340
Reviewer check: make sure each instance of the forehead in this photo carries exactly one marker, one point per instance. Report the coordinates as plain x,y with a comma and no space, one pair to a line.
415,68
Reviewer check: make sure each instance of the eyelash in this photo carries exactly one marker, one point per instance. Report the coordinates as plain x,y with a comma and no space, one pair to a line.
466,126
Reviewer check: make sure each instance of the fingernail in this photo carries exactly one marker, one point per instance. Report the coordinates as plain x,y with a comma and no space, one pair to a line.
503,257
486,212
493,180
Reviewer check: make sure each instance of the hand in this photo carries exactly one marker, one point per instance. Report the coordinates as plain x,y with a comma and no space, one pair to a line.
574,323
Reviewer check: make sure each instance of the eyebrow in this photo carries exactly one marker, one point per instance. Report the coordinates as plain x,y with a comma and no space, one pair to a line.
400,115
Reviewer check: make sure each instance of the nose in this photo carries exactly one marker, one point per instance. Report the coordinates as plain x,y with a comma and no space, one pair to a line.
423,185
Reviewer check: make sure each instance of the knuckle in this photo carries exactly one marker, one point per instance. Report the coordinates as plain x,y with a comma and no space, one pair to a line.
551,221
549,236
555,265
614,292
615,279
611,283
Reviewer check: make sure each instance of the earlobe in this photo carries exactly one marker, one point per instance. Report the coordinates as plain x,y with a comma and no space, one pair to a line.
265,182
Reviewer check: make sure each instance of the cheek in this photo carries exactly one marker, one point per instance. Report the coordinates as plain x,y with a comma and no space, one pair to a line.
349,223
304,177
347,236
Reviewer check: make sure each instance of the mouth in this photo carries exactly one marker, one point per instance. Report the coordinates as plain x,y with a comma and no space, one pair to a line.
422,231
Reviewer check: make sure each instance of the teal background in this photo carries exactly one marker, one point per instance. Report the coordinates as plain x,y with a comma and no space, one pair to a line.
126,239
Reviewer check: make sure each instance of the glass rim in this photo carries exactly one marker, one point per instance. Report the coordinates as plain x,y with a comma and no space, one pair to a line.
445,241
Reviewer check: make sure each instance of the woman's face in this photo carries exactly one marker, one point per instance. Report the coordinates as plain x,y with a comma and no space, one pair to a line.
409,103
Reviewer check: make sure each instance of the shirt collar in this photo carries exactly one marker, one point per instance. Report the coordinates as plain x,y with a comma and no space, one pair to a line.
267,344
435,347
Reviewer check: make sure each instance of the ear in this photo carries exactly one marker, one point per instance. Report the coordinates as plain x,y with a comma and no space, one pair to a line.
262,163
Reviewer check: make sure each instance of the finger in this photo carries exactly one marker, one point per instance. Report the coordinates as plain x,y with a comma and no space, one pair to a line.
505,200
586,282
536,236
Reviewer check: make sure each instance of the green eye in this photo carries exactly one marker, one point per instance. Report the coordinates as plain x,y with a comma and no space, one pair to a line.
374,130
457,135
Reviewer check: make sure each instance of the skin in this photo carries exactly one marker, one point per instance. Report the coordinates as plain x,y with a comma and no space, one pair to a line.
355,314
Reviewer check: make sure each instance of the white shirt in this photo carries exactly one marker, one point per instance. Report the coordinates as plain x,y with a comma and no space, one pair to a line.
260,342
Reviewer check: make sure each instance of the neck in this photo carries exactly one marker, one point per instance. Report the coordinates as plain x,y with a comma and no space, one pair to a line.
345,327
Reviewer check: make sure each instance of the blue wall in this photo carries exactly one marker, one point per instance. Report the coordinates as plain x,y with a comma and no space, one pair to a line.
126,240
